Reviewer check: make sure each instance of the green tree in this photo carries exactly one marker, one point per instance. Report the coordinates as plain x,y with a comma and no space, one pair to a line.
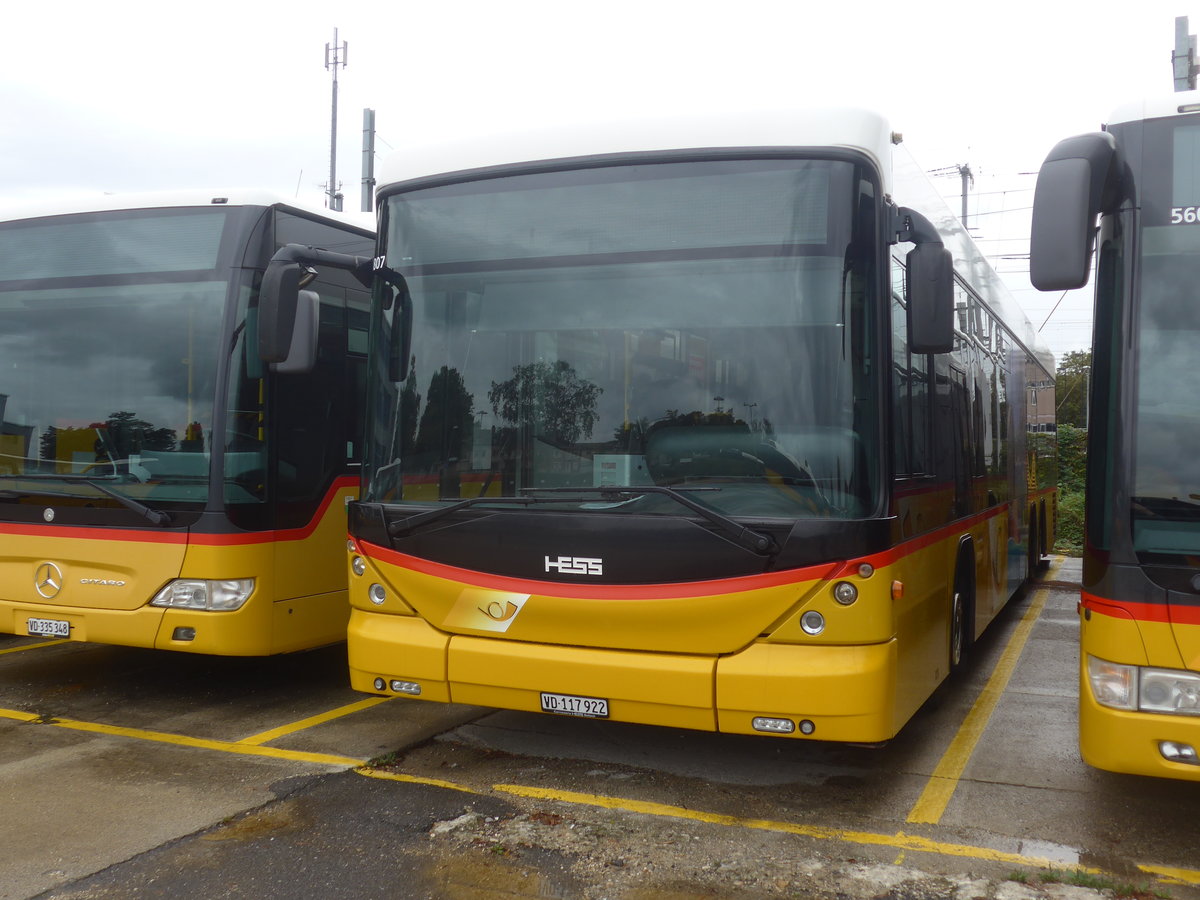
1071,389
549,397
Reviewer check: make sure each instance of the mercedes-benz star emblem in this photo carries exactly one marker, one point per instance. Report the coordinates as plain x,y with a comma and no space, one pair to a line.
48,580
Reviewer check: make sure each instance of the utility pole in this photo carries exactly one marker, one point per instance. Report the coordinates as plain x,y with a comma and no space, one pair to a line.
968,180
335,57
368,159
1183,58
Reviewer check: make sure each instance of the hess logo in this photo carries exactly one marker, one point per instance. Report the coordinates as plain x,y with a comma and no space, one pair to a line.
575,565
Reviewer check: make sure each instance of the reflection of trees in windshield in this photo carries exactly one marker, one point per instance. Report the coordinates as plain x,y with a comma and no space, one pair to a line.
446,421
121,436
549,397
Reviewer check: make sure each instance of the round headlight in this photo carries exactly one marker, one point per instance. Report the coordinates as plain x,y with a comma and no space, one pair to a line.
812,622
845,593
377,593
359,565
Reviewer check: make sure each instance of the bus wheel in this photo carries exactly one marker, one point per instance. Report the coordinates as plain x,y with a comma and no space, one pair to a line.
961,603
958,631
1034,549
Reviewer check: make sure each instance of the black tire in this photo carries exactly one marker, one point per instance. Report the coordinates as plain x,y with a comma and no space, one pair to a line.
962,602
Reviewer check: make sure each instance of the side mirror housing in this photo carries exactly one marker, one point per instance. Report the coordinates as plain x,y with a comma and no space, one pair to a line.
929,270
277,300
1075,184
302,347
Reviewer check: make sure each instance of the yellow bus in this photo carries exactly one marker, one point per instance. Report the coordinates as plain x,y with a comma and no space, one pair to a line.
1139,695
168,477
723,424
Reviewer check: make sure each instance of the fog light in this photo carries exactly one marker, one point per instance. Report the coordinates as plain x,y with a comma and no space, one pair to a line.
807,727
772,725
845,593
406,687
1176,752
380,684
359,565
183,633
377,593
812,622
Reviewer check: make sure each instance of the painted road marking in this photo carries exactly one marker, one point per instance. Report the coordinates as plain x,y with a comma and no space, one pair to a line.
931,805
180,740
36,646
318,719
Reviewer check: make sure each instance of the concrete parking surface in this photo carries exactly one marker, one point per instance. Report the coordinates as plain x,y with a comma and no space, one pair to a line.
135,773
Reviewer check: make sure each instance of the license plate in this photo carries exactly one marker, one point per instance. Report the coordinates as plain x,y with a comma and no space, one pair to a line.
49,627
569,705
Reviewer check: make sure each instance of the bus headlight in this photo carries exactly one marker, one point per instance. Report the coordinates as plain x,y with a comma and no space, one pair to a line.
214,596
1113,684
1170,691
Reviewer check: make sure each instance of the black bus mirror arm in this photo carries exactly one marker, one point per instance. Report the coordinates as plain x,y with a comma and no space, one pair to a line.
290,270
929,283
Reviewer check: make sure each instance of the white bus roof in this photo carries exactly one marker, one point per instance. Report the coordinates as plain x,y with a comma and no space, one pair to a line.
1156,107
87,203
850,129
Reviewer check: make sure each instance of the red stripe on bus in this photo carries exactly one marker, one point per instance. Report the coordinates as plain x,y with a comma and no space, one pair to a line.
1141,612
146,536
655,591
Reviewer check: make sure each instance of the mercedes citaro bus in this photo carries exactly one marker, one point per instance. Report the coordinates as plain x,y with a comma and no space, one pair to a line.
174,463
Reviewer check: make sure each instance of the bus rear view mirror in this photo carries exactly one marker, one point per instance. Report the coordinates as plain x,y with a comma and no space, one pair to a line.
277,300
1075,184
930,289
400,338
302,347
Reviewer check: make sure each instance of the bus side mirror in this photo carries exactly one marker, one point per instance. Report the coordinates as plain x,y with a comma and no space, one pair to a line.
302,347
929,270
1074,185
278,297
400,338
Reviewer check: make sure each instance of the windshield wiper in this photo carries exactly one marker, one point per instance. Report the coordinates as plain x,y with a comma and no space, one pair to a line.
154,516
407,524
740,534
757,541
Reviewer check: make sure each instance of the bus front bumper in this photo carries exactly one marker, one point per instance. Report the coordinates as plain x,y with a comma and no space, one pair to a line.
833,693
1136,743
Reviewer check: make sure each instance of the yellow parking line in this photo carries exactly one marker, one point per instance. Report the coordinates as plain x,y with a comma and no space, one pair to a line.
414,779
181,740
931,805
318,719
34,646
1168,875
899,841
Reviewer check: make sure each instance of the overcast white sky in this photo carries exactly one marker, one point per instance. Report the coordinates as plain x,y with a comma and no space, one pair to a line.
126,95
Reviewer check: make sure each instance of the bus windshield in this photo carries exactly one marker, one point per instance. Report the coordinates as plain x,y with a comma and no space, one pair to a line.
108,323
1166,488
706,326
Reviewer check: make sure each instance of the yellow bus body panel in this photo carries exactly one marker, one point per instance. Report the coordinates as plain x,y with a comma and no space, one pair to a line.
299,599
1119,740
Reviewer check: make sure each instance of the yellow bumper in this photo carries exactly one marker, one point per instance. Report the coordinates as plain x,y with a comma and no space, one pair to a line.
846,693
1122,741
